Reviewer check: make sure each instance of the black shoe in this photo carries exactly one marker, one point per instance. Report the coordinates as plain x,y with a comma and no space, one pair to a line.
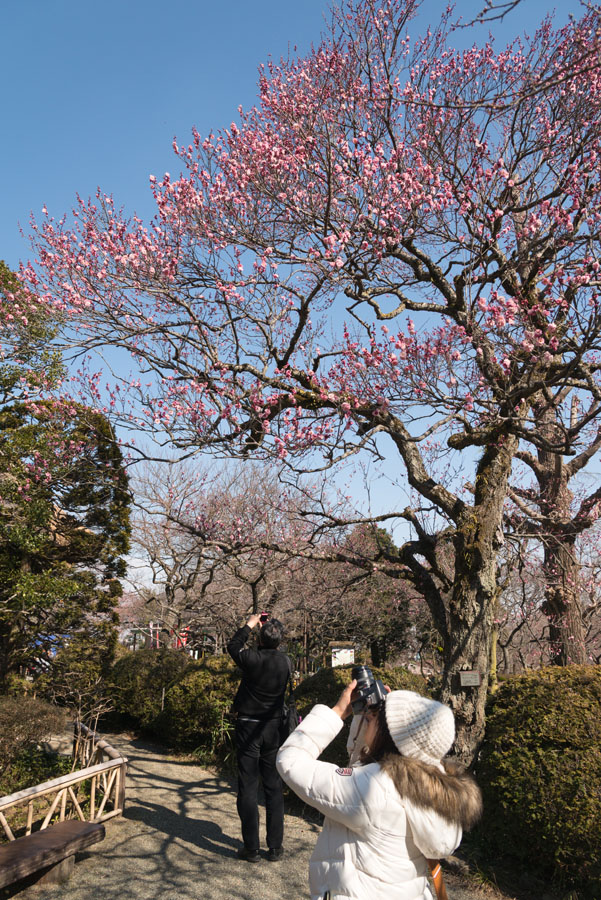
275,853
248,855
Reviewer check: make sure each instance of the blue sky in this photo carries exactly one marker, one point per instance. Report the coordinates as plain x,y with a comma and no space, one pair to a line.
92,94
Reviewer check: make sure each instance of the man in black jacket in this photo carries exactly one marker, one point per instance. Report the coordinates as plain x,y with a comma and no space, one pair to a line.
259,703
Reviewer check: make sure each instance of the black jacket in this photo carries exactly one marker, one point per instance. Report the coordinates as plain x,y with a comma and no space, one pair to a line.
264,678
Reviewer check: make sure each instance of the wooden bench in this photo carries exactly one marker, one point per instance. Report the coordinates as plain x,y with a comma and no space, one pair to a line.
52,850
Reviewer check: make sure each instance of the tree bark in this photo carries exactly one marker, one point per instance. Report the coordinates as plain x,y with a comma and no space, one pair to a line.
4,657
9,658
473,600
378,652
561,566
562,602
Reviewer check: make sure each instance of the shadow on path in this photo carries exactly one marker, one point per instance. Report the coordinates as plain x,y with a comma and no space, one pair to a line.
178,839
203,833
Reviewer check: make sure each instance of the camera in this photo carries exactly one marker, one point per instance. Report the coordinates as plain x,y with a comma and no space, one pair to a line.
263,617
370,692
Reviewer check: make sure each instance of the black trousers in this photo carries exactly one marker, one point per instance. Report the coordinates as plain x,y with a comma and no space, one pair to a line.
257,745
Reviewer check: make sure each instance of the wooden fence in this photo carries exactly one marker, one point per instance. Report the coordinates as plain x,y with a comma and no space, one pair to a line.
58,799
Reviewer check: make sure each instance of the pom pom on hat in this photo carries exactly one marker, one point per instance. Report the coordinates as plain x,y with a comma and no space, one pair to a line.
420,728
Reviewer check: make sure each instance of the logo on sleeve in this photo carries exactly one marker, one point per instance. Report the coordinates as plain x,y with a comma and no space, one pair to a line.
344,771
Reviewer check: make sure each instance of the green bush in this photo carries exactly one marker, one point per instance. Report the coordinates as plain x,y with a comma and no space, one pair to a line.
138,680
32,766
184,704
327,685
196,714
24,723
197,710
18,686
540,771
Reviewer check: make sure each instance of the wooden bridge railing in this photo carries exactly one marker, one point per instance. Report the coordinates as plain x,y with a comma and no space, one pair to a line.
58,799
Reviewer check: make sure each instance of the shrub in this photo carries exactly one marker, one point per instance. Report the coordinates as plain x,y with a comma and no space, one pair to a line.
138,681
540,771
18,686
24,723
197,710
77,677
32,766
327,685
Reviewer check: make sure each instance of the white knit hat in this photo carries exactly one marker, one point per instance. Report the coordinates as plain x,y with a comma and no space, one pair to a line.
421,728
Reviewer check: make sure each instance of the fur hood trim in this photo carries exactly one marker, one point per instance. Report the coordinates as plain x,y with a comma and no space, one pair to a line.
453,794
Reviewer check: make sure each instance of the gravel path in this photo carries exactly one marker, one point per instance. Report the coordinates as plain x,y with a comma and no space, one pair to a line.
178,839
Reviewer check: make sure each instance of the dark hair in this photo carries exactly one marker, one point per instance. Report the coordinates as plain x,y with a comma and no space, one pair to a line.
271,634
382,744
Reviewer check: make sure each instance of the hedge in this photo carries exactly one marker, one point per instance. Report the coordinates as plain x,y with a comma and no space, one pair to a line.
197,714
139,682
24,723
194,713
540,772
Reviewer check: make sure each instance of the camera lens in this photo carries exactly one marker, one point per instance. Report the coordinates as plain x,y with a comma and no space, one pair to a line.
361,674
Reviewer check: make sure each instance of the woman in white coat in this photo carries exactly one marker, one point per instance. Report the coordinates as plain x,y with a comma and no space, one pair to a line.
396,807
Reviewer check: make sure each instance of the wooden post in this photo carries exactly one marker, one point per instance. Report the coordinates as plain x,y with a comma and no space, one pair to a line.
76,740
107,790
121,789
58,873
50,812
76,804
7,829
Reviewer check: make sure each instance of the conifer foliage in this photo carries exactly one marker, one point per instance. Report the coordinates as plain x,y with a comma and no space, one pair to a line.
64,507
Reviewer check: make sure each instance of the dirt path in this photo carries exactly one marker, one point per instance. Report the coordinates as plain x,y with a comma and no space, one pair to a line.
178,841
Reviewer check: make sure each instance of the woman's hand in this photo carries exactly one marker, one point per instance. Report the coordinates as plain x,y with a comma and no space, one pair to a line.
343,707
253,620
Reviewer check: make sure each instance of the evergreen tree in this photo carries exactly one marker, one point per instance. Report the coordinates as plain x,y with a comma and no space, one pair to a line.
64,502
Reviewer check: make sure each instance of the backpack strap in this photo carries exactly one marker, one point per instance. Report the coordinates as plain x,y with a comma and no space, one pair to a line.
436,874
289,679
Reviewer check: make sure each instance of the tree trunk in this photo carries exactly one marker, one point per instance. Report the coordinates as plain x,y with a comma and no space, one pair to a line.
305,644
562,602
561,566
4,659
472,606
471,615
8,655
374,652
378,653
493,678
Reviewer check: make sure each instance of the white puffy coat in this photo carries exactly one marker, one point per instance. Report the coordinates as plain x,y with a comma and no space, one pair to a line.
374,844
